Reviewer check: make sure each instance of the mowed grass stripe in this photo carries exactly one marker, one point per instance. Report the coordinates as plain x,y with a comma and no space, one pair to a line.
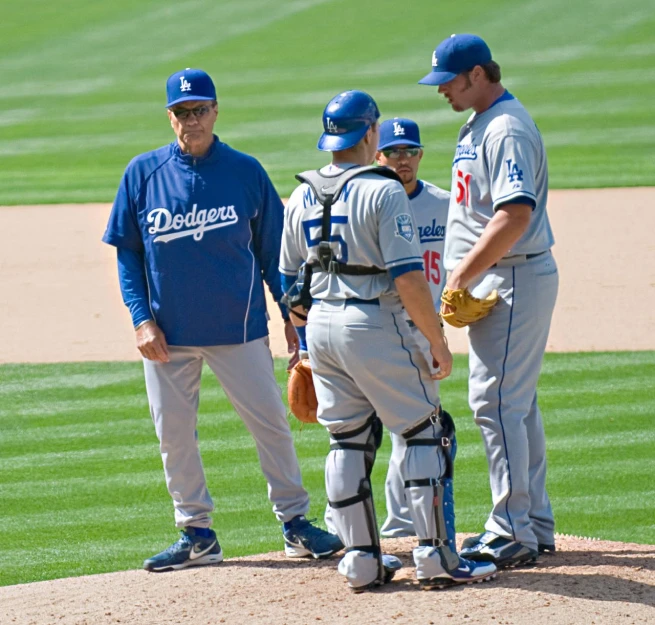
84,459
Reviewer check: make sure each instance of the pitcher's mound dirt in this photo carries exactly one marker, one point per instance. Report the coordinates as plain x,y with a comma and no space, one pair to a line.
586,581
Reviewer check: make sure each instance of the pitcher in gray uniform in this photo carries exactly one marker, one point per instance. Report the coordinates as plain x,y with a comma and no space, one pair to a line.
499,237
401,149
352,227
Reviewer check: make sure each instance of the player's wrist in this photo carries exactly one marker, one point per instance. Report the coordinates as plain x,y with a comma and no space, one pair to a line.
142,323
456,281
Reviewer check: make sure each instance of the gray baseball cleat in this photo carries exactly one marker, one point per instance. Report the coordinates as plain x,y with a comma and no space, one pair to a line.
390,564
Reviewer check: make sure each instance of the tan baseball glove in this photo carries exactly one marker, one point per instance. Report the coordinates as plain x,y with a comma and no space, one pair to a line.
301,393
459,308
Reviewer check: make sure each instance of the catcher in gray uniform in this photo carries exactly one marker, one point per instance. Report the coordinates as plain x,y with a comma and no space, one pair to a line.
352,226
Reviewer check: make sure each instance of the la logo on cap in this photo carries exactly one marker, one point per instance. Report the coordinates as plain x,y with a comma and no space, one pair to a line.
398,130
185,85
331,126
434,59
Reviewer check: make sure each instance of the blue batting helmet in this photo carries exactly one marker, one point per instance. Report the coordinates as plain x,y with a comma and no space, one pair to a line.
346,119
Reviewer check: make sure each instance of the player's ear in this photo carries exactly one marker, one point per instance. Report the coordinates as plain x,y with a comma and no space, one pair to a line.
420,154
170,117
477,73
377,157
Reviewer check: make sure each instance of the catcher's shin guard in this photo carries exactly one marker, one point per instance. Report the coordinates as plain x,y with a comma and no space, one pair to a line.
431,505
347,472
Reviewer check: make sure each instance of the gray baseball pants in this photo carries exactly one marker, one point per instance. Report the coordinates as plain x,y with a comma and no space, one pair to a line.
245,372
506,353
364,361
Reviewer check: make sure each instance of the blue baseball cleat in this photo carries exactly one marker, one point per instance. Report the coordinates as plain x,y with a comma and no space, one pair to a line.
190,550
503,552
302,539
466,572
473,540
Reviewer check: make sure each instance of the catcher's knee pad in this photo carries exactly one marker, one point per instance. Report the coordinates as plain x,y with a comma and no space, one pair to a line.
428,471
347,472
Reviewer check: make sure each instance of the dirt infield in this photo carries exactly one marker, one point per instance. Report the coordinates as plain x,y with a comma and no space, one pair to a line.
587,581
61,302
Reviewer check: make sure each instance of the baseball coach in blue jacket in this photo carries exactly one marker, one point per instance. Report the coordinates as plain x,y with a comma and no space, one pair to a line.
197,226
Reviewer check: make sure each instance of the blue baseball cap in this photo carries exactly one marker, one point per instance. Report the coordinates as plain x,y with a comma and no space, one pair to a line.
399,131
457,54
189,84
346,119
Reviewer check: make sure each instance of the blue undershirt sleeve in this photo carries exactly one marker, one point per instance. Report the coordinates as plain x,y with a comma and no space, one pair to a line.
267,238
288,284
134,285
302,336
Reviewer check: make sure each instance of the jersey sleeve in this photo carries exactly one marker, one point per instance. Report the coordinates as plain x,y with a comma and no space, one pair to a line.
134,284
267,233
512,167
123,227
399,239
291,257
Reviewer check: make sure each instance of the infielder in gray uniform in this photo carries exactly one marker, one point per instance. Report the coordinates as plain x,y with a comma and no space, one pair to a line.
197,227
354,229
401,149
499,238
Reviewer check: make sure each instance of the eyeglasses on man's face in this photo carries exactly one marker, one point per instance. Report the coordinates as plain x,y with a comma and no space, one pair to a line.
198,111
394,153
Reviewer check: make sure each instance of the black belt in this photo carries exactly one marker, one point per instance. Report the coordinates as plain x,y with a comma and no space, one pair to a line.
527,257
351,300
348,270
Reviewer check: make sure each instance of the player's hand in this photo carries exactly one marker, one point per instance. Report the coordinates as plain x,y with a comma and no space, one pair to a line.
293,361
293,342
151,342
442,360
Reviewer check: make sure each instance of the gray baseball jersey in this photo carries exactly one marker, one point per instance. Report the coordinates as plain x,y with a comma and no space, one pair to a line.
430,207
378,230
500,157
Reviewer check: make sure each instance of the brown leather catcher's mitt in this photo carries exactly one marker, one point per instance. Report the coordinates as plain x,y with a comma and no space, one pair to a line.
465,309
302,396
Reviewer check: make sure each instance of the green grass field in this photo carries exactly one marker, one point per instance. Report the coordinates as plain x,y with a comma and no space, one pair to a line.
82,87
82,488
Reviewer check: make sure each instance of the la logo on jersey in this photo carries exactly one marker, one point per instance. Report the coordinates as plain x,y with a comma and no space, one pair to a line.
405,227
514,174
192,224
331,126
398,130
185,85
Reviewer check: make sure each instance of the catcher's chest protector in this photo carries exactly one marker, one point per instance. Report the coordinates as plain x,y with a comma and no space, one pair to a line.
327,190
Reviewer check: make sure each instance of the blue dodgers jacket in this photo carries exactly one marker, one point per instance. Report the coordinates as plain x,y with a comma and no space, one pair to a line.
203,232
